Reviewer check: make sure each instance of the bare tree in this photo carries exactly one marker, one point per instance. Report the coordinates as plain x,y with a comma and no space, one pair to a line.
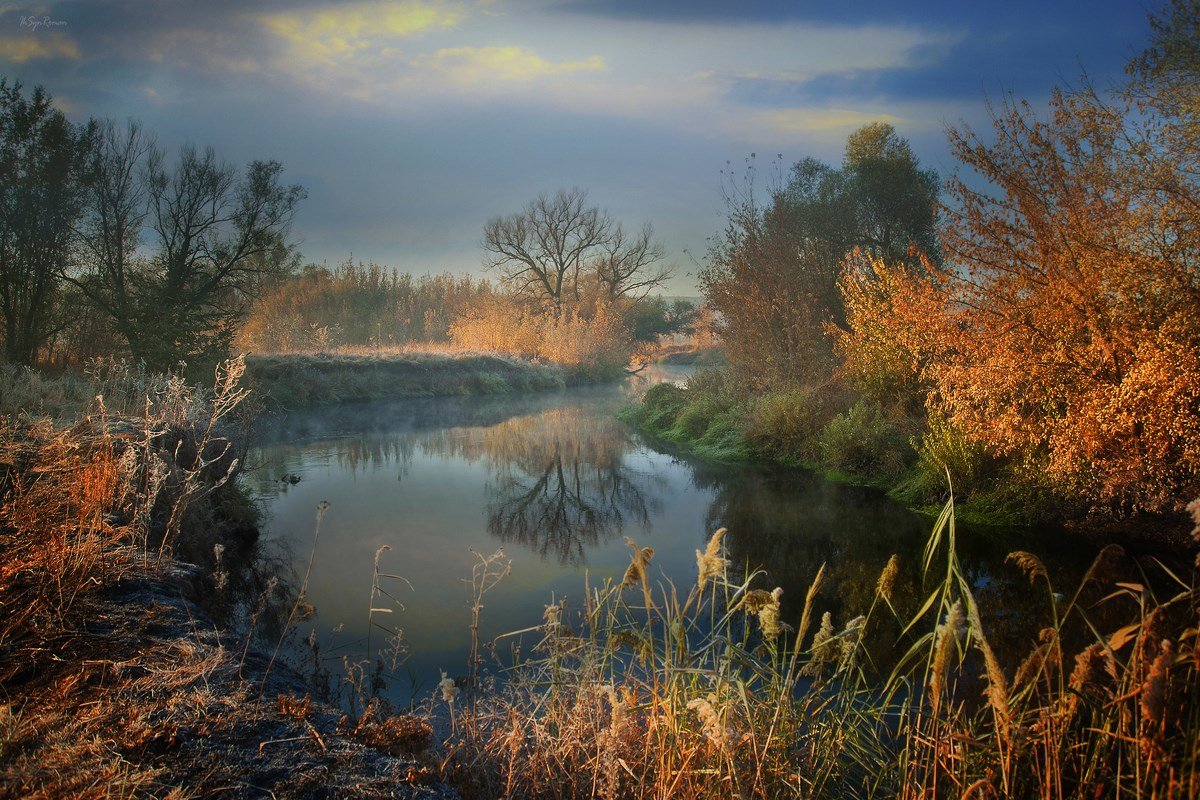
111,229
631,267
212,233
549,249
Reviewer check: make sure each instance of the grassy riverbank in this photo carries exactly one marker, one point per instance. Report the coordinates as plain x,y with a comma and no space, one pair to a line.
841,435
313,380
126,672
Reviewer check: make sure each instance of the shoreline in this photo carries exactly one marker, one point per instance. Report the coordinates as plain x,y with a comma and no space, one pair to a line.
1168,535
297,381
120,674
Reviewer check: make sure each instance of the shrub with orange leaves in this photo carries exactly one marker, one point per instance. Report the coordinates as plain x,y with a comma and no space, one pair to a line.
897,322
1065,328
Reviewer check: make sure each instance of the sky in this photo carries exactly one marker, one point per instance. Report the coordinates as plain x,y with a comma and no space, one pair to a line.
412,123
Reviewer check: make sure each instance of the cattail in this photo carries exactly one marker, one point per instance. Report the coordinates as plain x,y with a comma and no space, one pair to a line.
1154,690
850,637
945,642
448,688
1031,665
553,617
997,686
1088,666
609,741
635,574
710,721
710,562
633,640
1030,564
1154,630
768,615
823,646
887,578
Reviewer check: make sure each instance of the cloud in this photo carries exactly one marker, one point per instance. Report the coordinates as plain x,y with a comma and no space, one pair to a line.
19,49
337,33
473,65
803,120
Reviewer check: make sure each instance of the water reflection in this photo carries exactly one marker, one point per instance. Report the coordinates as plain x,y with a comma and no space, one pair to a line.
557,480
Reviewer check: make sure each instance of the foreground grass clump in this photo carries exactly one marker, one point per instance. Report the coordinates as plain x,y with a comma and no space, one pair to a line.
647,693
115,680
323,379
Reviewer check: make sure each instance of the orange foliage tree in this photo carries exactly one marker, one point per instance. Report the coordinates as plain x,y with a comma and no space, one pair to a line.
1065,328
1080,300
773,273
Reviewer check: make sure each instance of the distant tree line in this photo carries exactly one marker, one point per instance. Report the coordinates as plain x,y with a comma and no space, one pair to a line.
358,305
101,232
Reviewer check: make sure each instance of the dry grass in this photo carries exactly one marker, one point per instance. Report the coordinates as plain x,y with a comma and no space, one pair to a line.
589,347
113,680
352,375
647,694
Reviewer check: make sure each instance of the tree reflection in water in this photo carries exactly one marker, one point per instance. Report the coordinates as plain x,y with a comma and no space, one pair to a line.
559,481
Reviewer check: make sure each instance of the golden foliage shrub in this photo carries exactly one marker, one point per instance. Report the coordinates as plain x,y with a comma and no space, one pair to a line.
1066,331
597,345
357,305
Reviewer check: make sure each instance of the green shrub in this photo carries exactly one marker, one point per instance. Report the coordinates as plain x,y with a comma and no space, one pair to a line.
708,416
785,425
944,449
989,488
864,443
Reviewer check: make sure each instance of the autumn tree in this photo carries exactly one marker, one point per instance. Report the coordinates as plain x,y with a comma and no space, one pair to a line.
42,180
774,288
773,274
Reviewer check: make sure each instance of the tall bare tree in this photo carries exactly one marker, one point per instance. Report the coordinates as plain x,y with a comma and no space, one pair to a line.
551,249
111,229
212,234
631,266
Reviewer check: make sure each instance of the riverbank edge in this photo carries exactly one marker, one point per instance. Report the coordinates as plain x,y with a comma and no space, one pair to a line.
292,382
722,440
115,678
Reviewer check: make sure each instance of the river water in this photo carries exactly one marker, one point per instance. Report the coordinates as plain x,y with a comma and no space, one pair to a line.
558,483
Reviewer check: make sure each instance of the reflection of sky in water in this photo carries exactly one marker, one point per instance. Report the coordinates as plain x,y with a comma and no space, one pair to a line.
558,482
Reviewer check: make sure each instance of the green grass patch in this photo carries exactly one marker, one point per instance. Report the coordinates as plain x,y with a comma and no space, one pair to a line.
310,381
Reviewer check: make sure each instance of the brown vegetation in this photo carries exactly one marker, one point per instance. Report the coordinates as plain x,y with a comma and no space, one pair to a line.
1043,350
114,679
644,692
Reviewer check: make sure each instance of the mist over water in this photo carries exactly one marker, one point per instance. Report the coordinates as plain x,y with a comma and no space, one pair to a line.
559,482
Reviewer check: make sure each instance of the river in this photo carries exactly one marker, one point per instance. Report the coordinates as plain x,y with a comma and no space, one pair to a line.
558,483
